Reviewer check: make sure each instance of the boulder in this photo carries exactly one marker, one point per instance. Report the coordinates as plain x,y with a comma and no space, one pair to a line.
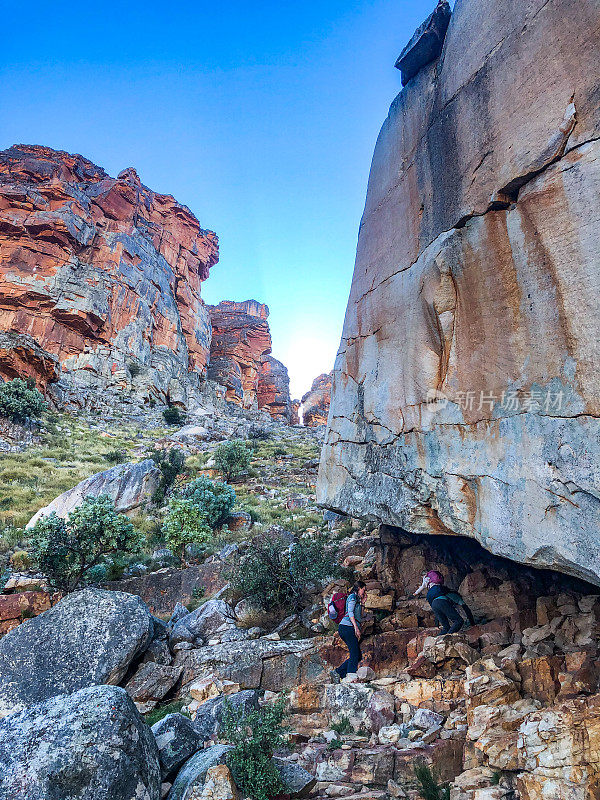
90,745
297,781
204,622
190,779
207,719
219,784
129,485
151,683
177,740
90,637
465,394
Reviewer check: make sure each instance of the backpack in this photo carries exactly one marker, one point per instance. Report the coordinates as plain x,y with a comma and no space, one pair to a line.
336,609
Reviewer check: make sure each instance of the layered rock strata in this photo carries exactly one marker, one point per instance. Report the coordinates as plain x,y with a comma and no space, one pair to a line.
240,358
466,392
315,403
103,273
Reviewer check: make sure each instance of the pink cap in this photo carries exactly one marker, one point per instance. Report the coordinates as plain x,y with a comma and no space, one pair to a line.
435,576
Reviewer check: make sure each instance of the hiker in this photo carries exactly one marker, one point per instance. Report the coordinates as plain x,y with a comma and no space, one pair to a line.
346,610
444,603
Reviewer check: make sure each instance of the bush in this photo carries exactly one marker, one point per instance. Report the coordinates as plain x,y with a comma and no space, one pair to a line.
21,560
170,463
66,550
173,415
214,499
255,736
18,401
115,456
428,785
232,458
134,369
199,508
272,575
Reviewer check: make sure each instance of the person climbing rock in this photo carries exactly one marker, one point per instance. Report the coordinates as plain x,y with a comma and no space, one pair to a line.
444,603
349,630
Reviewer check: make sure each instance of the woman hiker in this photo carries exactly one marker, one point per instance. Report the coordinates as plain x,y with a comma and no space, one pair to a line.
349,630
444,603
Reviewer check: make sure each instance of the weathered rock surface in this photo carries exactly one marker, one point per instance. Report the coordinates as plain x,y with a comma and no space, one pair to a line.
426,42
190,780
103,273
476,281
16,607
177,740
273,390
240,358
129,485
207,720
315,403
88,638
22,357
90,745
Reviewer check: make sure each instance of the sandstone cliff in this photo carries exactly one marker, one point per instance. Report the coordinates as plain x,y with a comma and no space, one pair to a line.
240,358
476,282
103,273
315,403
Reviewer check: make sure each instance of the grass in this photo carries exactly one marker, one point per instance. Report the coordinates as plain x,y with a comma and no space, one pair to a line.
343,726
160,712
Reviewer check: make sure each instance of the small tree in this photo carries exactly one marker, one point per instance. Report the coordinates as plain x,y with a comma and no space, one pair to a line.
273,575
173,415
232,458
197,509
67,549
170,463
255,736
18,400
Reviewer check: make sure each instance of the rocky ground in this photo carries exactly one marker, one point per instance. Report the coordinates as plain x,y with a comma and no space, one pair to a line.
506,709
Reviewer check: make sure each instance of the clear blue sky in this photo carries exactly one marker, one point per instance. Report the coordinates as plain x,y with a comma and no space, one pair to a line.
260,116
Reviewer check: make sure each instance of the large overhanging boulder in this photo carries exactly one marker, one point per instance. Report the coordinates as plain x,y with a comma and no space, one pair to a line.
466,392
88,638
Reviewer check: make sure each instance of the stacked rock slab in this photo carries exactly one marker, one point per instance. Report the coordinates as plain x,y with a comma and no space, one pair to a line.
466,391
315,403
240,358
103,273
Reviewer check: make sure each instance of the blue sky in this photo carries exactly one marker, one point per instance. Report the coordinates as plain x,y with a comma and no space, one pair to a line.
261,117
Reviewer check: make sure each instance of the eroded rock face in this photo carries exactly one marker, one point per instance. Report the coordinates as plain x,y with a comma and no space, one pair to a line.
90,637
22,357
89,745
240,358
476,281
103,273
315,403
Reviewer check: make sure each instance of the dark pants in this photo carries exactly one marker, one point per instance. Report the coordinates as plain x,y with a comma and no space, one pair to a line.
349,638
446,615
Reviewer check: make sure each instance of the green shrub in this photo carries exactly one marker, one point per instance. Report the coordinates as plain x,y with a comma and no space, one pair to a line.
214,498
115,456
232,458
255,736
134,369
21,560
67,549
335,744
170,463
271,575
18,401
279,451
198,508
343,726
428,785
154,716
173,415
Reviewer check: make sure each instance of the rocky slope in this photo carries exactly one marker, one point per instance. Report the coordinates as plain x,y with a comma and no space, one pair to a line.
465,392
315,403
240,358
104,274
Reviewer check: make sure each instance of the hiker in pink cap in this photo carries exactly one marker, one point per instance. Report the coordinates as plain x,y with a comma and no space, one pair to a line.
444,603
